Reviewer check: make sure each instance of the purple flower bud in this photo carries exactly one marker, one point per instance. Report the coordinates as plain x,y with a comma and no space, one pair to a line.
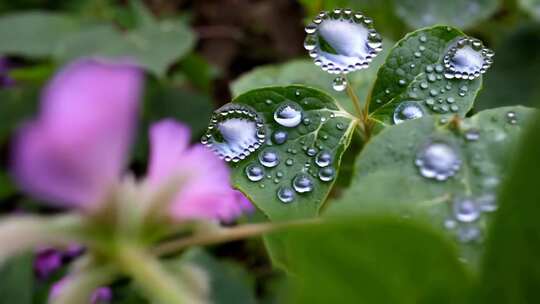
76,149
5,67
47,261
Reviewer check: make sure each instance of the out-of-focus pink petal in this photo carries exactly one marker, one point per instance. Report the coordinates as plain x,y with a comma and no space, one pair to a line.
76,149
100,295
206,192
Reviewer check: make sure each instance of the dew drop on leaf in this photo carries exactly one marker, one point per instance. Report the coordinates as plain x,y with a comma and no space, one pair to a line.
235,131
323,159
280,137
339,84
327,174
288,115
269,158
465,210
407,110
254,172
467,59
438,160
302,183
285,194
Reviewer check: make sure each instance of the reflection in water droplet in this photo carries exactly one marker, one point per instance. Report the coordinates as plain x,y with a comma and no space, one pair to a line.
467,59
269,158
311,151
254,172
285,194
472,135
323,159
511,117
339,84
280,137
465,210
340,126
234,132
438,160
407,110
342,42
327,174
288,115
302,183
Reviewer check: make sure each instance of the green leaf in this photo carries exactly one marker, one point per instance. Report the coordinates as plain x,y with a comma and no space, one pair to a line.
7,188
387,179
229,282
330,128
374,260
410,74
305,72
17,281
532,7
511,272
16,105
458,13
34,34
513,78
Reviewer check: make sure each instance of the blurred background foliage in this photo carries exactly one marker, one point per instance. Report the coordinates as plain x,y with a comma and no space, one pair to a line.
199,54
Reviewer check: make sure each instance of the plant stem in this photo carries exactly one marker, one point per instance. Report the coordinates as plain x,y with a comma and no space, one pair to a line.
147,271
225,235
363,117
354,98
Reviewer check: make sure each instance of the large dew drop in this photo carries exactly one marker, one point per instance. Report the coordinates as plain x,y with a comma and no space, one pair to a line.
254,172
323,159
467,59
407,110
288,115
235,131
465,210
269,158
302,183
280,137
342,41
438,160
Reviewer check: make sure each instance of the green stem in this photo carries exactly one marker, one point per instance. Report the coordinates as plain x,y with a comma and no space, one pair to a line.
78,288
363,117
226,235
147,271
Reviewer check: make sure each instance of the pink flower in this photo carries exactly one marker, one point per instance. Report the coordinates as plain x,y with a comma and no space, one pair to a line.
75,152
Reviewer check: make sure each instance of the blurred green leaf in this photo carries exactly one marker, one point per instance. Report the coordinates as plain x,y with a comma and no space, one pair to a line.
458,13
199,71
17,281
513,79
511,270
330,128
34,34
374,260
305,72
387,180
229,282
6,186
413,72
532,7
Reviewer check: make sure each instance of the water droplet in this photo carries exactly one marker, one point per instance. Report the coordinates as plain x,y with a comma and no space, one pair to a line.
407,110
289,162
431,78
327,174
487,203
234,132
285,194
302,183
450,100
311,151
342,41
269,158
280,137
340,126
467,59
438,160
468,233
465,210
450,224
254,172
324,158
339,84
429,69
402,82
433,93
423,38
288,115
472,135
511,117
417,54
454,108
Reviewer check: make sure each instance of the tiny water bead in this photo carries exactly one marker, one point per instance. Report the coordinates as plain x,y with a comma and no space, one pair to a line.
472,135
254,172
407,110
280,137
342,41
234,132
269,158
467,59
323,158
288,115
438,160
339,84
511,117
285,194
311,151
327,174
302,183
466,210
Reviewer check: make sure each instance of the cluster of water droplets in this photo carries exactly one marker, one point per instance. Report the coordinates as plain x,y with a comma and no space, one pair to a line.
342,41
235,131
467,59
438,160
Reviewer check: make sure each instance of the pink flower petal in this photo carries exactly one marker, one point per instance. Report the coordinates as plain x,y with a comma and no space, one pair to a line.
76,149
207,192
